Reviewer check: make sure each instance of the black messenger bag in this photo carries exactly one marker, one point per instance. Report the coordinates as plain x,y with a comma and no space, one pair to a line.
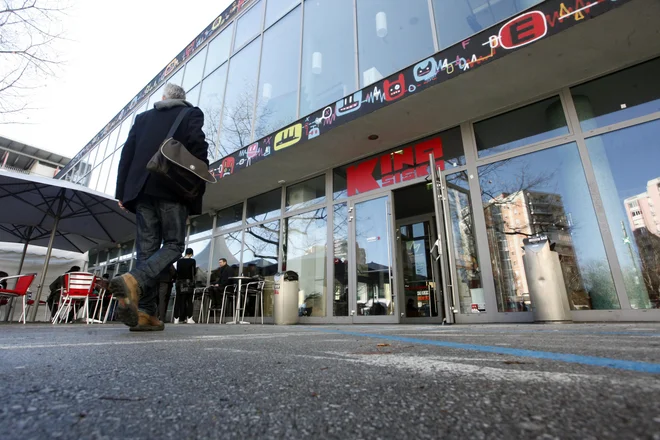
173,160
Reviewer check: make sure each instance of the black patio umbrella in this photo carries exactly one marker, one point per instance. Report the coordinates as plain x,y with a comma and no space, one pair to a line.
73,216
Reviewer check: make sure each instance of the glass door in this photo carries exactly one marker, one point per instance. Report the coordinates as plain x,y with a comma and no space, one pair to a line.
372,292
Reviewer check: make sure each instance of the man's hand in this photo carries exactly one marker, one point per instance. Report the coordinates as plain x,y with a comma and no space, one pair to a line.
121,205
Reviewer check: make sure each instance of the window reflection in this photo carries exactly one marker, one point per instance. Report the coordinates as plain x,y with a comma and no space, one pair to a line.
193,95
219,50
202,250
194,69
239,99
249,25
278,82
340,256
458,19
276,8
624,95
210,101
630,189
391,36
228,246
305,254
545,193
328,64
124,130
533,123
305,194
264,206
260,255
470,289
201,226
155,97
230,217
114,169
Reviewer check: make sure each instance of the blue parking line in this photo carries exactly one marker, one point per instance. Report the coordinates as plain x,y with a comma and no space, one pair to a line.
641,367
552,331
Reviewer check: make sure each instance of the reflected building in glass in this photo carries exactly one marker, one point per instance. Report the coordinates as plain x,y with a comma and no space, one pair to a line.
397,154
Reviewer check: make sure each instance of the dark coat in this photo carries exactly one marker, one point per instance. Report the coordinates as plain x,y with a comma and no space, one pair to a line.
221,275
144,139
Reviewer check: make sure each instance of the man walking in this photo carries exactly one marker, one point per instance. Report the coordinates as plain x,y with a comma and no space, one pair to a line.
160,211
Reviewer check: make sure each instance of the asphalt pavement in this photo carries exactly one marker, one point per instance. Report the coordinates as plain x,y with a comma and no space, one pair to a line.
578,381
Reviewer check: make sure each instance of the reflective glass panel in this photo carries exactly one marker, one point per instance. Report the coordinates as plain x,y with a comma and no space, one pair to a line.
276,8
470,289
628,94
202,255
210,101
194,69
239,99
124,130
304,194
391,36
228,246
545,194
155,97
328,64
230,217
627,167
142,109
305,254
264,206
278,82
201,226
177,78
193,95
527,125
261,246
114,169
112,142
458,19
340,260
219,49
104,174
249,25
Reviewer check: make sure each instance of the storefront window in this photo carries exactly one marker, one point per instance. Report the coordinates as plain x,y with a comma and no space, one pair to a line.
219,50
627,167
264,207
624,95
200,227
305,194
239,99
391,36
328,64
202,255
340,253
545,193
260,255
305,253
249,25
456,20
527,125
230,217
468,271
277,99
401,164
210,101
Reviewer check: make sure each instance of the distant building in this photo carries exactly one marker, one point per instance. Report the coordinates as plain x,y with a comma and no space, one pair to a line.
22,158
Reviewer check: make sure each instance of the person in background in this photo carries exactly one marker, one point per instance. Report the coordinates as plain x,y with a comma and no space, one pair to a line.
219,280
3,284
55,290
167,278
160,208
186,269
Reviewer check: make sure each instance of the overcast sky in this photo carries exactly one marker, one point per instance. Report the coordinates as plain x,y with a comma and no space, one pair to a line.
116,48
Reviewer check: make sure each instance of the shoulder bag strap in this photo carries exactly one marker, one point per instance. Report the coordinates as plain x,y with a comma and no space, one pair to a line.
182,114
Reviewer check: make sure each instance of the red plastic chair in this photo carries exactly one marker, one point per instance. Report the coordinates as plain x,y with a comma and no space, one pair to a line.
20,289
77,287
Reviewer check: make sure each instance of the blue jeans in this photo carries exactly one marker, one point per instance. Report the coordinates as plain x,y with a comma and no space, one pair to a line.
158,222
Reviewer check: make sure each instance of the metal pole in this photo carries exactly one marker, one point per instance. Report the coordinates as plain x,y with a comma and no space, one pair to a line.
25,248
53,233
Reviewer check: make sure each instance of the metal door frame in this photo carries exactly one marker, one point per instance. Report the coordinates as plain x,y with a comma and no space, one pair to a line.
434,267
352,252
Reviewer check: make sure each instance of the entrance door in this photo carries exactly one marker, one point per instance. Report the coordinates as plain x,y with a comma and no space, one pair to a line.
372,291
420,283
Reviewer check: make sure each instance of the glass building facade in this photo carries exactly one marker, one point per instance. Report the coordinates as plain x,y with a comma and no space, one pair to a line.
578,166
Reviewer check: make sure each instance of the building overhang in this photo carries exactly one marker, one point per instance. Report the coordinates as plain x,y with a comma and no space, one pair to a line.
586,44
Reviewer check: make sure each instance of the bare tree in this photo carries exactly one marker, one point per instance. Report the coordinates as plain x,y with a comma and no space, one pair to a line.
29,30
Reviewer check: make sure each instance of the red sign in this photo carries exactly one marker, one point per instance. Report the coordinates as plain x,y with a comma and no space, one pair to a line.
406,164
524,29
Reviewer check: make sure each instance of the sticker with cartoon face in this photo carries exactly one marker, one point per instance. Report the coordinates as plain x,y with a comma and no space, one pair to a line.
349,104
314,131
253,151
426,70
287,137
395,89
227,166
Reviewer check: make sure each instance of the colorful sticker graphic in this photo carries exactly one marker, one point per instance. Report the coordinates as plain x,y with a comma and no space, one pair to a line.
394,89
349,104
426,70
287,137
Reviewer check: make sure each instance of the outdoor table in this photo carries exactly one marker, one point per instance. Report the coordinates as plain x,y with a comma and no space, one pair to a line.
237,312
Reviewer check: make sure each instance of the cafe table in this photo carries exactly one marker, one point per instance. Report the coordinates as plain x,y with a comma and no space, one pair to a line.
237,312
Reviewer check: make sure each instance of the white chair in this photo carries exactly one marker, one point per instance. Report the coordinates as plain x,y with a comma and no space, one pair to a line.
77,287
256,289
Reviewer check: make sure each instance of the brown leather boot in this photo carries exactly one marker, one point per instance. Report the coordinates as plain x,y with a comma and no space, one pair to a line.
147,323
127,291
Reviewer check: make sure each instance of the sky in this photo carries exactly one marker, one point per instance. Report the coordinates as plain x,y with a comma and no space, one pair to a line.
113,49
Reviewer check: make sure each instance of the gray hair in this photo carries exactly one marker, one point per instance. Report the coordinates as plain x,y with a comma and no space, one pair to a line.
172,91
